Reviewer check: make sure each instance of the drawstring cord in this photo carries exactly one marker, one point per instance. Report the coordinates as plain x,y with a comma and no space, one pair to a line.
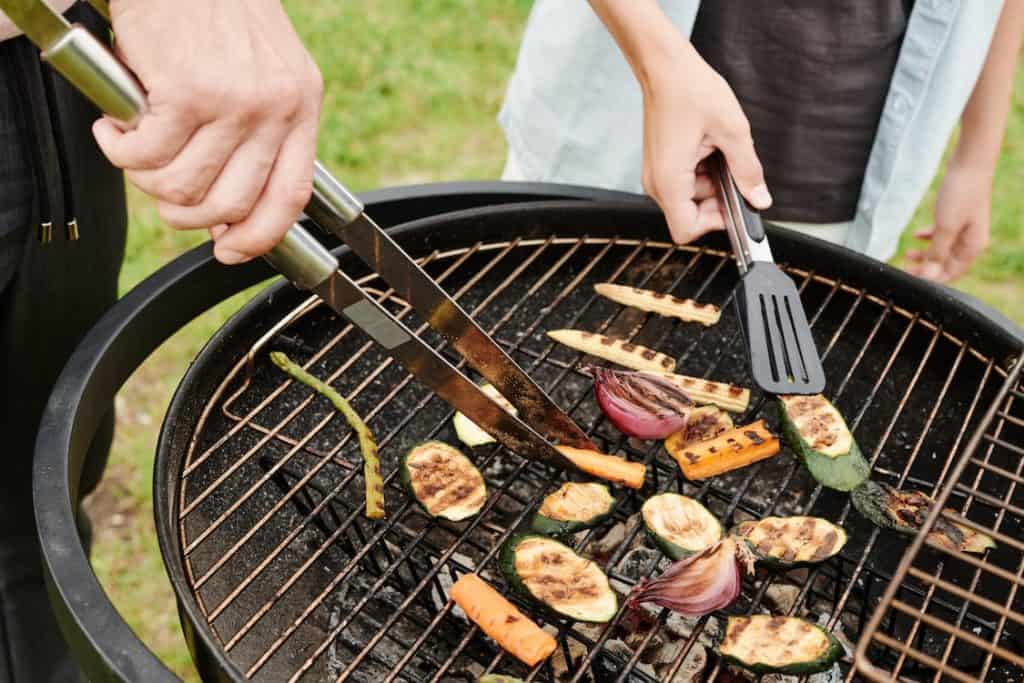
63,169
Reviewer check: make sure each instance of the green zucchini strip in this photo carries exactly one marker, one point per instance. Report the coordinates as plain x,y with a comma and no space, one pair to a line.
764,644
367,444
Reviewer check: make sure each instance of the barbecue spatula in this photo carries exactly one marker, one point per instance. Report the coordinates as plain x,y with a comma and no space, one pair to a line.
783,357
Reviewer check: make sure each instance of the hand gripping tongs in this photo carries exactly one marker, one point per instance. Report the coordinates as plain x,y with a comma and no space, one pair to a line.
97,73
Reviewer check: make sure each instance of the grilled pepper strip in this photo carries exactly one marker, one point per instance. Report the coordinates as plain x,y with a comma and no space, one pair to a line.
367,444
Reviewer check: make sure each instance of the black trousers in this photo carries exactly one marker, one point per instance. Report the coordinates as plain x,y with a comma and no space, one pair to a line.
50,295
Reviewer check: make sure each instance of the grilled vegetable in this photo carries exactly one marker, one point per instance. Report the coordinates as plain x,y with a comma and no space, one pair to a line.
640,404
367,444
816,431
443,481
553,575
705,392
728,451
678,525
699,584
791,541
573,507
466,429
764,644
616,350
608,467
660,303
499,678
702,424
905,512
499,618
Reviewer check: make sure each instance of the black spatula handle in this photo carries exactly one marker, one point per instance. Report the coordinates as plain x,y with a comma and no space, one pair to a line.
742,223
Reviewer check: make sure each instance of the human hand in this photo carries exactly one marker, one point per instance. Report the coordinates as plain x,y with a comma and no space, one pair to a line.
689,111
960,232
229,138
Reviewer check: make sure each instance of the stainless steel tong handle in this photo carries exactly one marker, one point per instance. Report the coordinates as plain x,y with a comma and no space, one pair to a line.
742,223
94,70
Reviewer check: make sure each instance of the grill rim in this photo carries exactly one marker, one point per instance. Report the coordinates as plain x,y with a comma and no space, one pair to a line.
450,230
104,645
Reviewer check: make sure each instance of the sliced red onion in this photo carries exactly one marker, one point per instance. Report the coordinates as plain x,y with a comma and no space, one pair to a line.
640,404
699,584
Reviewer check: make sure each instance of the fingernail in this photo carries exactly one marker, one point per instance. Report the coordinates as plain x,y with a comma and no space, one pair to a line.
760,197
230,257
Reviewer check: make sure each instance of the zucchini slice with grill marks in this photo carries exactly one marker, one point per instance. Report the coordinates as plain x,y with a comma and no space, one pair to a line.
573,507
554,576
791,541
819,435
905,511
764,644
679,525
443,481
468,431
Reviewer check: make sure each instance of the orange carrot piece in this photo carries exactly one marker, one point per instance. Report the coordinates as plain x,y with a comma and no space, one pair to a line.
728,451
608,467
499,618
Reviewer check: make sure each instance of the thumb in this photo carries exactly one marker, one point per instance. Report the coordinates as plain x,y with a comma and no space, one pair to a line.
738,148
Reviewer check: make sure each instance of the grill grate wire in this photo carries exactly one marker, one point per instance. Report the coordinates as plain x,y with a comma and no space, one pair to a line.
992,461
315,490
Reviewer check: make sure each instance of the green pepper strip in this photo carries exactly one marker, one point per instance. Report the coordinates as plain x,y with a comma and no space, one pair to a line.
367,444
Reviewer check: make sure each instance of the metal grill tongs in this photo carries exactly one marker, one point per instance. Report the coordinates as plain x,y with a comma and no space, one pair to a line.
93,69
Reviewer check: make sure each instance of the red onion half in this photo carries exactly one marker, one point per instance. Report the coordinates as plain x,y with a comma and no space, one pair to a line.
640,404
700,584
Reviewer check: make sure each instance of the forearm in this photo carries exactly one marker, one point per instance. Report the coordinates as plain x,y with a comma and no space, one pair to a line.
646,36
984,119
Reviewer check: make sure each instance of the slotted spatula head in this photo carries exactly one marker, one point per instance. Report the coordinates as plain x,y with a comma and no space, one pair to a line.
783,357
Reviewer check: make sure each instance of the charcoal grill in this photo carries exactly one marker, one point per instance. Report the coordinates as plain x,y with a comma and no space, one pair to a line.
259,503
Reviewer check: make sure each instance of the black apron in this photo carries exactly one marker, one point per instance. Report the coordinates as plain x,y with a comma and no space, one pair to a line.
53,288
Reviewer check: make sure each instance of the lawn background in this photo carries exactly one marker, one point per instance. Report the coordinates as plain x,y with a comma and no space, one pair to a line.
412,90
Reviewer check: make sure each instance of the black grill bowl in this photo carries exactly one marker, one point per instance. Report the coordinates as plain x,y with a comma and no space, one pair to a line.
890,342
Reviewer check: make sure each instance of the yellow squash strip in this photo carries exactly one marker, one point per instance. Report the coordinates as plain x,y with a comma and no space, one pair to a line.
618,351
660,303
703,392
702,424
608,467
728,451
499,618
367,444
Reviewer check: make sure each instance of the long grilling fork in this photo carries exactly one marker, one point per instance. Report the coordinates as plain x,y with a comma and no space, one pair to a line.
97,73
783,356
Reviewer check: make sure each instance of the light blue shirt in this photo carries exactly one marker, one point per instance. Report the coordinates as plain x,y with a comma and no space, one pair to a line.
573,110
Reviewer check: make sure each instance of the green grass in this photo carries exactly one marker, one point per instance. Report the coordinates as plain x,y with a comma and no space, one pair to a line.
413,87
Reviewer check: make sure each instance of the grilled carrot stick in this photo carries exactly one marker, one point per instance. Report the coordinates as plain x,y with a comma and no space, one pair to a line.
616,350
608,467
367,444
499,618
660,303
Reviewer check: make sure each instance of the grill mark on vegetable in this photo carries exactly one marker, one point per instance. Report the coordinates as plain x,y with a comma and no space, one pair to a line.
740,625
828,544
735,390
648,354
754,437
667,363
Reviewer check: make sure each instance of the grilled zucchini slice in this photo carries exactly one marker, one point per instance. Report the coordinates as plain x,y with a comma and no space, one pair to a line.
905,511
819,435
764,644
573,507
554,576
678,525
786,542
467,430
443,481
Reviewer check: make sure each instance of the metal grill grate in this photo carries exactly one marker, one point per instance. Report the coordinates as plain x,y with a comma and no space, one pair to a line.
297,584
920,630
